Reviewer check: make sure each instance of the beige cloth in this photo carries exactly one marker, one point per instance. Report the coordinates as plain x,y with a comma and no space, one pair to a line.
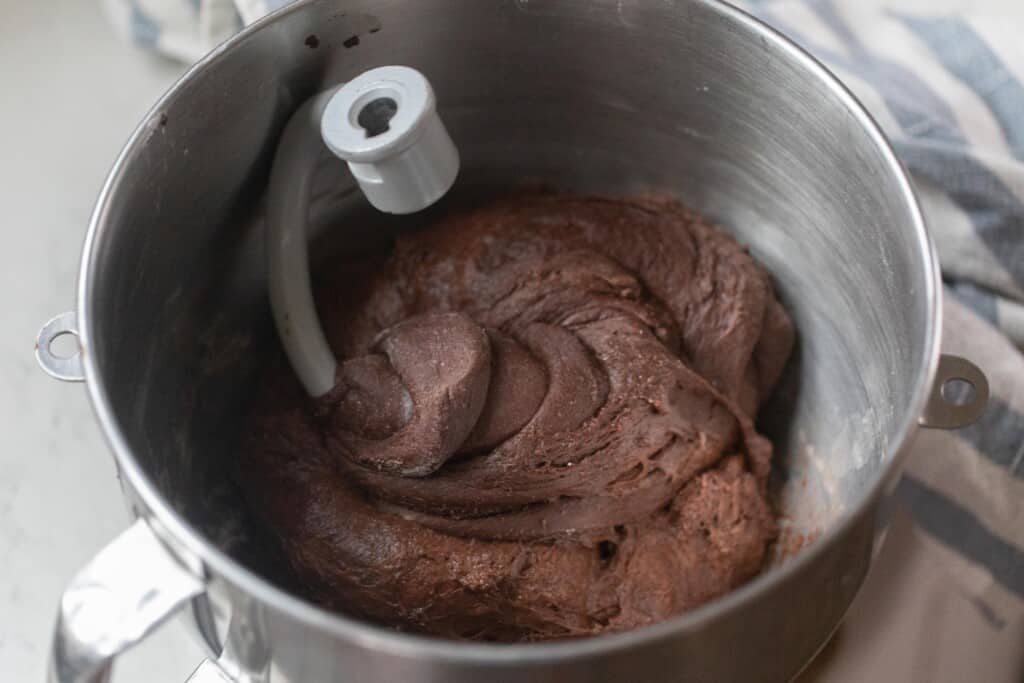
926,614
915,622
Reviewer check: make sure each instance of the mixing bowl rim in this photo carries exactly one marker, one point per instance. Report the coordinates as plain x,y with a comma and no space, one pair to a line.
216,562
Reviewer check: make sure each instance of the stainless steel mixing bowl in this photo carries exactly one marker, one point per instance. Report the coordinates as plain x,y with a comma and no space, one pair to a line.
689,96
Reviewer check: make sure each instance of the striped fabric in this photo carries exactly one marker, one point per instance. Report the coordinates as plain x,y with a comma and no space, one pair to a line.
185,29
945,79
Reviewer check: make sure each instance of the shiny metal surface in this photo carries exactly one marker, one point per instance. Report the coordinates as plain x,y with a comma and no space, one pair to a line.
68,369
699,100
947,410
208,672
129,588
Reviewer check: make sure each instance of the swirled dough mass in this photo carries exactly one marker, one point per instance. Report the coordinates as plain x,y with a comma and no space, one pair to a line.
542,427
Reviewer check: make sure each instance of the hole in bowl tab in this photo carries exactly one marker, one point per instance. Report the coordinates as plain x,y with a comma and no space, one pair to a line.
63,345
958,391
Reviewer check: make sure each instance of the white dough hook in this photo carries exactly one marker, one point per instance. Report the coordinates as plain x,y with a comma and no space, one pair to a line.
384,123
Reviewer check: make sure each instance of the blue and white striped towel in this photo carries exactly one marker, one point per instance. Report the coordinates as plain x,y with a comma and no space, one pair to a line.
945,78
185,29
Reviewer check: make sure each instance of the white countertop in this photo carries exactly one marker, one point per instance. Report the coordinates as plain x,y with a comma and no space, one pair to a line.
71,93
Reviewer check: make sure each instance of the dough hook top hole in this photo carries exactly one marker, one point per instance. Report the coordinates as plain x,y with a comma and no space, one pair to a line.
375,116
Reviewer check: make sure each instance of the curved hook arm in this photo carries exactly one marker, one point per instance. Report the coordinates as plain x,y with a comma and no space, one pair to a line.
291,291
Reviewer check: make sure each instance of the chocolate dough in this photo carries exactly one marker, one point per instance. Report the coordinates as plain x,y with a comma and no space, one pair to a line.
542,425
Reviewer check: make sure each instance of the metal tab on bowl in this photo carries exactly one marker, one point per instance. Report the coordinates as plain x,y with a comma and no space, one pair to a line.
63,367
959,394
